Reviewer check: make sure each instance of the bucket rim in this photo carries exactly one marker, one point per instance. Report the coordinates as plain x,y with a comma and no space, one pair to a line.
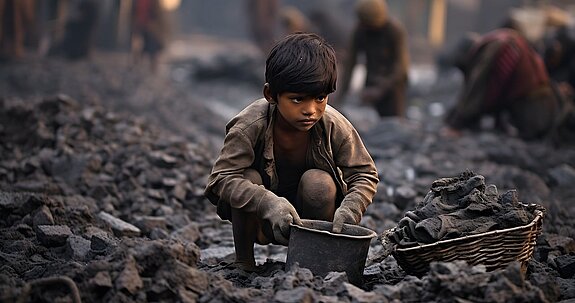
371,234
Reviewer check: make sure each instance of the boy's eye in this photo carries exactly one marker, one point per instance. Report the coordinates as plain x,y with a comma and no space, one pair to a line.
300,99
297,99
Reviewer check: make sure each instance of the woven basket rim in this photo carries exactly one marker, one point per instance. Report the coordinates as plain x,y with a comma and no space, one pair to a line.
538,216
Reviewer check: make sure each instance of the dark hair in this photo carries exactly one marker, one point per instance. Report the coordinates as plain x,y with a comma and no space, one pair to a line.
301,63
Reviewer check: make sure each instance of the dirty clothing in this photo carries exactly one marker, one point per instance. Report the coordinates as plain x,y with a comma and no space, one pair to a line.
387,59
504,74
336,148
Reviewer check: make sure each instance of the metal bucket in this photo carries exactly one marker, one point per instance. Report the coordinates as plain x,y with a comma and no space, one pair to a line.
315,247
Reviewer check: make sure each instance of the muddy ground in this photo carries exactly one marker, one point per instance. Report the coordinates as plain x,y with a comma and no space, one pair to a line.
103,165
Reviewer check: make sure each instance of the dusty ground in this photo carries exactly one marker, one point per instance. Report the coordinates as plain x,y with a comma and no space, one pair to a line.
102,170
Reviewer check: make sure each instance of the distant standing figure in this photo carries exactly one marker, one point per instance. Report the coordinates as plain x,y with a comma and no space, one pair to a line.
150,30
80,30
383,41
16,18
505,77
263,18
331,28
559,57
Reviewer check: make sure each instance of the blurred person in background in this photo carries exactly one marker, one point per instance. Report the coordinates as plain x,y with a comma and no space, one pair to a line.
80,30
319,21
559,57
16,21
505,77
331,28
293,20
383,42
150,30
263,18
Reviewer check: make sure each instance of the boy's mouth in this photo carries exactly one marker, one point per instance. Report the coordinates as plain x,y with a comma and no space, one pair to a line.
307,121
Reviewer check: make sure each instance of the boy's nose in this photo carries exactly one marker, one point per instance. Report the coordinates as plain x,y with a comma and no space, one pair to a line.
309,110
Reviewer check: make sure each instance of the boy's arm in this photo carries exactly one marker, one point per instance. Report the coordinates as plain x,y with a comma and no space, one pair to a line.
226,183
360,174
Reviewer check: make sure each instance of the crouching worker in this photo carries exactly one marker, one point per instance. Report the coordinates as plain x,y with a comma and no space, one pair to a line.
290,155
506,78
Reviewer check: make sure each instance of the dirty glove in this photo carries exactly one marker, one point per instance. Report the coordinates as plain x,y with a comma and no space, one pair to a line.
279,213
346,213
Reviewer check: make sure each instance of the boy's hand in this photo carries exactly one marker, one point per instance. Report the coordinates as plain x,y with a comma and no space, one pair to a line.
279,213
343,215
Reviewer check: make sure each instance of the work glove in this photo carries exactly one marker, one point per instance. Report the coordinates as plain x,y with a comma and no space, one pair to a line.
279,213
346,213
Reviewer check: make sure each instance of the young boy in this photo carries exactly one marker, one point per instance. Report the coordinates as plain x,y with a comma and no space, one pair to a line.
289,155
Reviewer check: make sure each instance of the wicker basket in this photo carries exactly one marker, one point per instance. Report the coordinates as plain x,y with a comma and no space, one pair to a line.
494,249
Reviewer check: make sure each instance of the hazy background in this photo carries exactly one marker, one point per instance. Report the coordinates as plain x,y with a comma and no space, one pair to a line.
431,24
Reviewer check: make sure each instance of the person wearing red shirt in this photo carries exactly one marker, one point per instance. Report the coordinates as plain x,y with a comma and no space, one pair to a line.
506,78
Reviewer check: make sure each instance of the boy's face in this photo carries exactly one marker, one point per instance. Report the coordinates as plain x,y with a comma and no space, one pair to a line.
301,111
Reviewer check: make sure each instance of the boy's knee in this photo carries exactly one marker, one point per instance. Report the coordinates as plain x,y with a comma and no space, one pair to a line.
253,175
317,177
317,187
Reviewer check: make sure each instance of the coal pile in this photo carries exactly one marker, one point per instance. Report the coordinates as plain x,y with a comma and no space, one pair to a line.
79,183
102,202
459,207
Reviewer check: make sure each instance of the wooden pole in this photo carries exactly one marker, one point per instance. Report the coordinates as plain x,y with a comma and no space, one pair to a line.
124,23
436,32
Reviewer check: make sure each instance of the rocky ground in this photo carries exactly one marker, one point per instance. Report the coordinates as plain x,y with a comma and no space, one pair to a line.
103,166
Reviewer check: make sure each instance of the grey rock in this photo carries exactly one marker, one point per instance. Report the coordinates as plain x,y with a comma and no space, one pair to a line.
566,266
43,217
563,175
53,235
102,279
188,233
100,243
129,279
296,295
78,248
147,223
120,227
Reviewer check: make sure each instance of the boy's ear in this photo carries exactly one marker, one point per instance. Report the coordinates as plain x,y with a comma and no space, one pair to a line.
268,94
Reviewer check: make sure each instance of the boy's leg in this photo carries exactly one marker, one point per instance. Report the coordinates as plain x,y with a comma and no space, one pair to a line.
317,194
244,226
246,229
